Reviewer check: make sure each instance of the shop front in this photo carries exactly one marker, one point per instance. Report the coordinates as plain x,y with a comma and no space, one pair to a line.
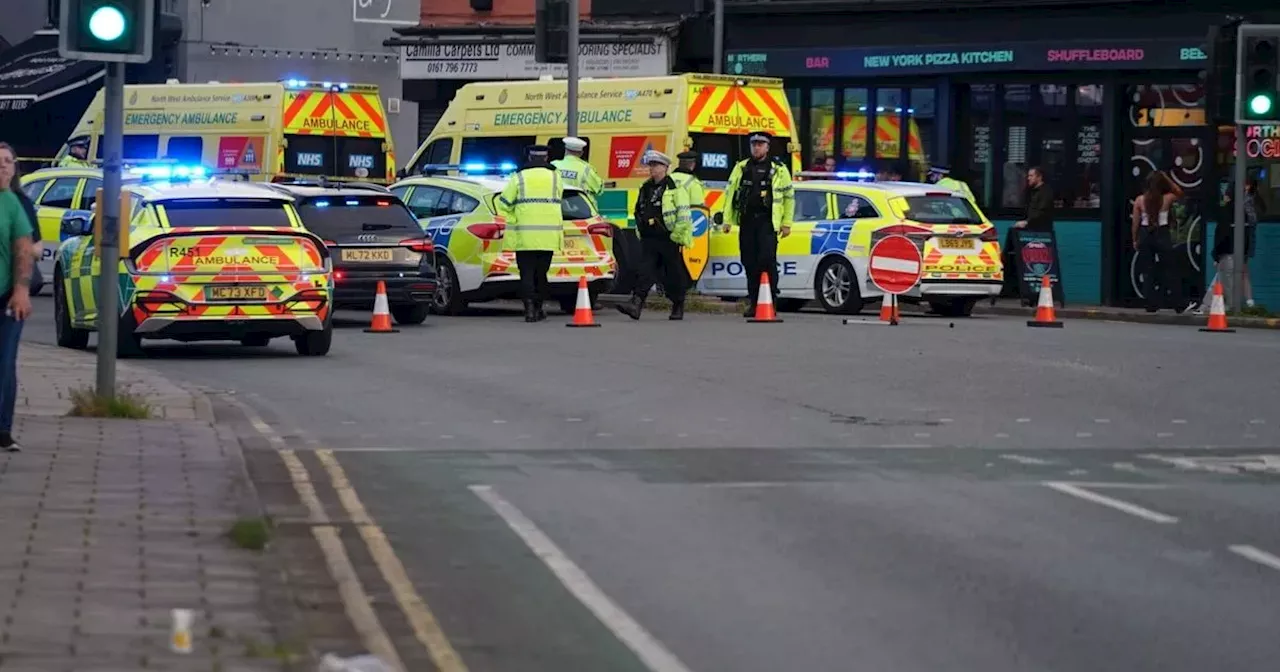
1097,116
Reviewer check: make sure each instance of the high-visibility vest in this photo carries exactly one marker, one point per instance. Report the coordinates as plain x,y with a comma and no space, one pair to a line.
530,203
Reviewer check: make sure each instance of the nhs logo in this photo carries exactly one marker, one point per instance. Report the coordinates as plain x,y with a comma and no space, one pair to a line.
715,160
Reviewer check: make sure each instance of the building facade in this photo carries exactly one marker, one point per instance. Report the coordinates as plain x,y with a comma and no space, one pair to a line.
1098,96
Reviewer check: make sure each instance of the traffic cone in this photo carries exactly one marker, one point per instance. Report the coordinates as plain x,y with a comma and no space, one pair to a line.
582,316
1218,312
1044,310
381,313
764,302
889,310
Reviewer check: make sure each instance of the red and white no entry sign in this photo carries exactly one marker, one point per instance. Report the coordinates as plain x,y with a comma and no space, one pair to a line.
895,266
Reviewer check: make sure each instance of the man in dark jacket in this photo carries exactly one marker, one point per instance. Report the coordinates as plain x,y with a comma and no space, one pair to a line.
1039,218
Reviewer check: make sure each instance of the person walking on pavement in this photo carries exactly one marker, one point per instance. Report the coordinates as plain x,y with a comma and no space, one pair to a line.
17,263
530,203
941,176
575,172
760,201
662,219
77,154
1153,243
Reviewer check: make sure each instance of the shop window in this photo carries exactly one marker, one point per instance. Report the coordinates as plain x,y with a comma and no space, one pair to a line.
793,99
1162,105
979,142
1262,151
853,144
888,135
920,127
1087,192
822,126
1051,113
1013,173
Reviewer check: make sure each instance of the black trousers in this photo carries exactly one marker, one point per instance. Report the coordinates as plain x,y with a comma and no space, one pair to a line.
759,244
662,260
1152,243
534,266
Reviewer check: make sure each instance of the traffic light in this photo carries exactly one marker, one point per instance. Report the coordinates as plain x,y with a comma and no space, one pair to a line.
1220,74
119,31
551,32
1259,97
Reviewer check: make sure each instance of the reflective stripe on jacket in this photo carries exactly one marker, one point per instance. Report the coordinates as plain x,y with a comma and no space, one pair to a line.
692,187
530,203
784,197
575,172
676,216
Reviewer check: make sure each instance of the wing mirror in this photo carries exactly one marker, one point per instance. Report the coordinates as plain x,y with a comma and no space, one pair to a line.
77,223
718,218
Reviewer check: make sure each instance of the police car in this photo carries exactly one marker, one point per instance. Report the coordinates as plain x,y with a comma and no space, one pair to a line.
472,265
836,223
200,260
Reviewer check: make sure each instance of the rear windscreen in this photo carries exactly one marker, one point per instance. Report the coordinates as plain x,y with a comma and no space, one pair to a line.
718,152
337,216
941,210
226,212
575,206
361,158
310,155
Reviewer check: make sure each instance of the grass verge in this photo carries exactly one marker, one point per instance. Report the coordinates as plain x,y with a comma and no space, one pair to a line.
87,403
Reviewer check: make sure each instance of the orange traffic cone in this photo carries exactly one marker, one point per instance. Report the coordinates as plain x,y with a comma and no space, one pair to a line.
582,316
889,310
1218,312
381,313
1045,316
764,302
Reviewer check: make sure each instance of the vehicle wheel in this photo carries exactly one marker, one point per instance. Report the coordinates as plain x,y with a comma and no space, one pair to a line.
67,335
128,345
315,343
448,297
414,313
569,302
954,307
836,287
790,305
255,341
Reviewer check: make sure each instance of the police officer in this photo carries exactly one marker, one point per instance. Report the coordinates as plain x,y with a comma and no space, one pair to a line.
663,223
530,203
941,176
760,202
77,154
687,179
575,172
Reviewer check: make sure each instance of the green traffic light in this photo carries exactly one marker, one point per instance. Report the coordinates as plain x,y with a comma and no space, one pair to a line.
1260,104
107,23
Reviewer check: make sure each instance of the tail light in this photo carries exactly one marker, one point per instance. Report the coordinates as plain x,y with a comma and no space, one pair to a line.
989,235
488,231
338,275
905,230
423,245
153,301
600,229
330,243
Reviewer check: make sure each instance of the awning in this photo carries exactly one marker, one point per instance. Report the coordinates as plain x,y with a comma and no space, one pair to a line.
33,71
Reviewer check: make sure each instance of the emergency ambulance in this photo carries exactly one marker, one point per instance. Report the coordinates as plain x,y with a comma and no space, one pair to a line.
490,123
273,131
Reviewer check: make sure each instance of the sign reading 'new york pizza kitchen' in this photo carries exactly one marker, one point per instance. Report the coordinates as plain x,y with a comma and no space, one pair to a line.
1138,54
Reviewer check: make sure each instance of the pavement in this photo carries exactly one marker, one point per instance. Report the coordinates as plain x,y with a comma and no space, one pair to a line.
963,494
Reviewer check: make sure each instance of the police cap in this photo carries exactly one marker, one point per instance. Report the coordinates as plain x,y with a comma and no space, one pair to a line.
79,142
761,136
537,150
940,169
575,144
687,156
654,156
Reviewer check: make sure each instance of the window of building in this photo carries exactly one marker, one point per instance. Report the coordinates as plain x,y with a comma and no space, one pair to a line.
1087,191
793,99
853,145
822,124
976,137
888,135
921,128
1262,149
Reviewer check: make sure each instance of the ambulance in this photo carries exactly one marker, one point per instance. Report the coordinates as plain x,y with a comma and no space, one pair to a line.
490,123
273,131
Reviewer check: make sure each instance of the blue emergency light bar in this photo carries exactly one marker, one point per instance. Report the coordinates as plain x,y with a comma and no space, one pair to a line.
847,175
472,168
167,171
302,84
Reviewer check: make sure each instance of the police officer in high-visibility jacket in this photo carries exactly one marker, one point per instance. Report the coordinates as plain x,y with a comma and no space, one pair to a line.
941,176
77,154
662,220
759,201
575,172
530,204
686,178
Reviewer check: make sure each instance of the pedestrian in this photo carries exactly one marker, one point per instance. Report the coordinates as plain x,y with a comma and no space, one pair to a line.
575,172
29,207
761,203
940,175
1224,245
1039,218
530,204
16,265
662,219
77,154
1153,242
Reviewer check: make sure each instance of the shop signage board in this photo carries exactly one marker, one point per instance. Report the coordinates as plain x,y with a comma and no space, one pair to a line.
491,59
1042,56
1036,255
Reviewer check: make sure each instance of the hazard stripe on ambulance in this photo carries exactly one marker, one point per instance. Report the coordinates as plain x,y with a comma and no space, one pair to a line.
738,110
340,114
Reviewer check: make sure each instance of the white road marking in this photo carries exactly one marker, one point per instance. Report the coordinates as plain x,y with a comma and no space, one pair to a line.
499,422
647,648
1123,466
348,422
923,435
1118,505
1257,421
573,419
1077,472
1250,436
1101,421
525,436
646,419
682,436
603,434
1163,435
1002,435
1083,435
1179,421
446,436
743,484
1023,420
722,419
945,420
1257,555
1023,459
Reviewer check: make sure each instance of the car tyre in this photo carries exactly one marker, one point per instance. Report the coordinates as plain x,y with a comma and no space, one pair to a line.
67,335
954,307
256,341
412,313
315,343
836,287
448,296
128,345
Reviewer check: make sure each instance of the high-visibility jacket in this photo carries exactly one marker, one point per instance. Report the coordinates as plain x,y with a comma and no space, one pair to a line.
952,184
576,173
70,161
783,196
692,186
530,204
675,214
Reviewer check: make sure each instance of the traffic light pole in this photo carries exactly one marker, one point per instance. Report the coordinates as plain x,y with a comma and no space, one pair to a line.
573,67
109,252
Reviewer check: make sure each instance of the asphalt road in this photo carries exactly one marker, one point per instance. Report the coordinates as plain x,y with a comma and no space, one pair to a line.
713,495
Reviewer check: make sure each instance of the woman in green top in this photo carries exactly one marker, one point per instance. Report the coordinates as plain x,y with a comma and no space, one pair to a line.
16,264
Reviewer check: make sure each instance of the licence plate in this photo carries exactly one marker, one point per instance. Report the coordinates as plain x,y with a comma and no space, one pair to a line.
367,255
572,243
955,243
236,293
